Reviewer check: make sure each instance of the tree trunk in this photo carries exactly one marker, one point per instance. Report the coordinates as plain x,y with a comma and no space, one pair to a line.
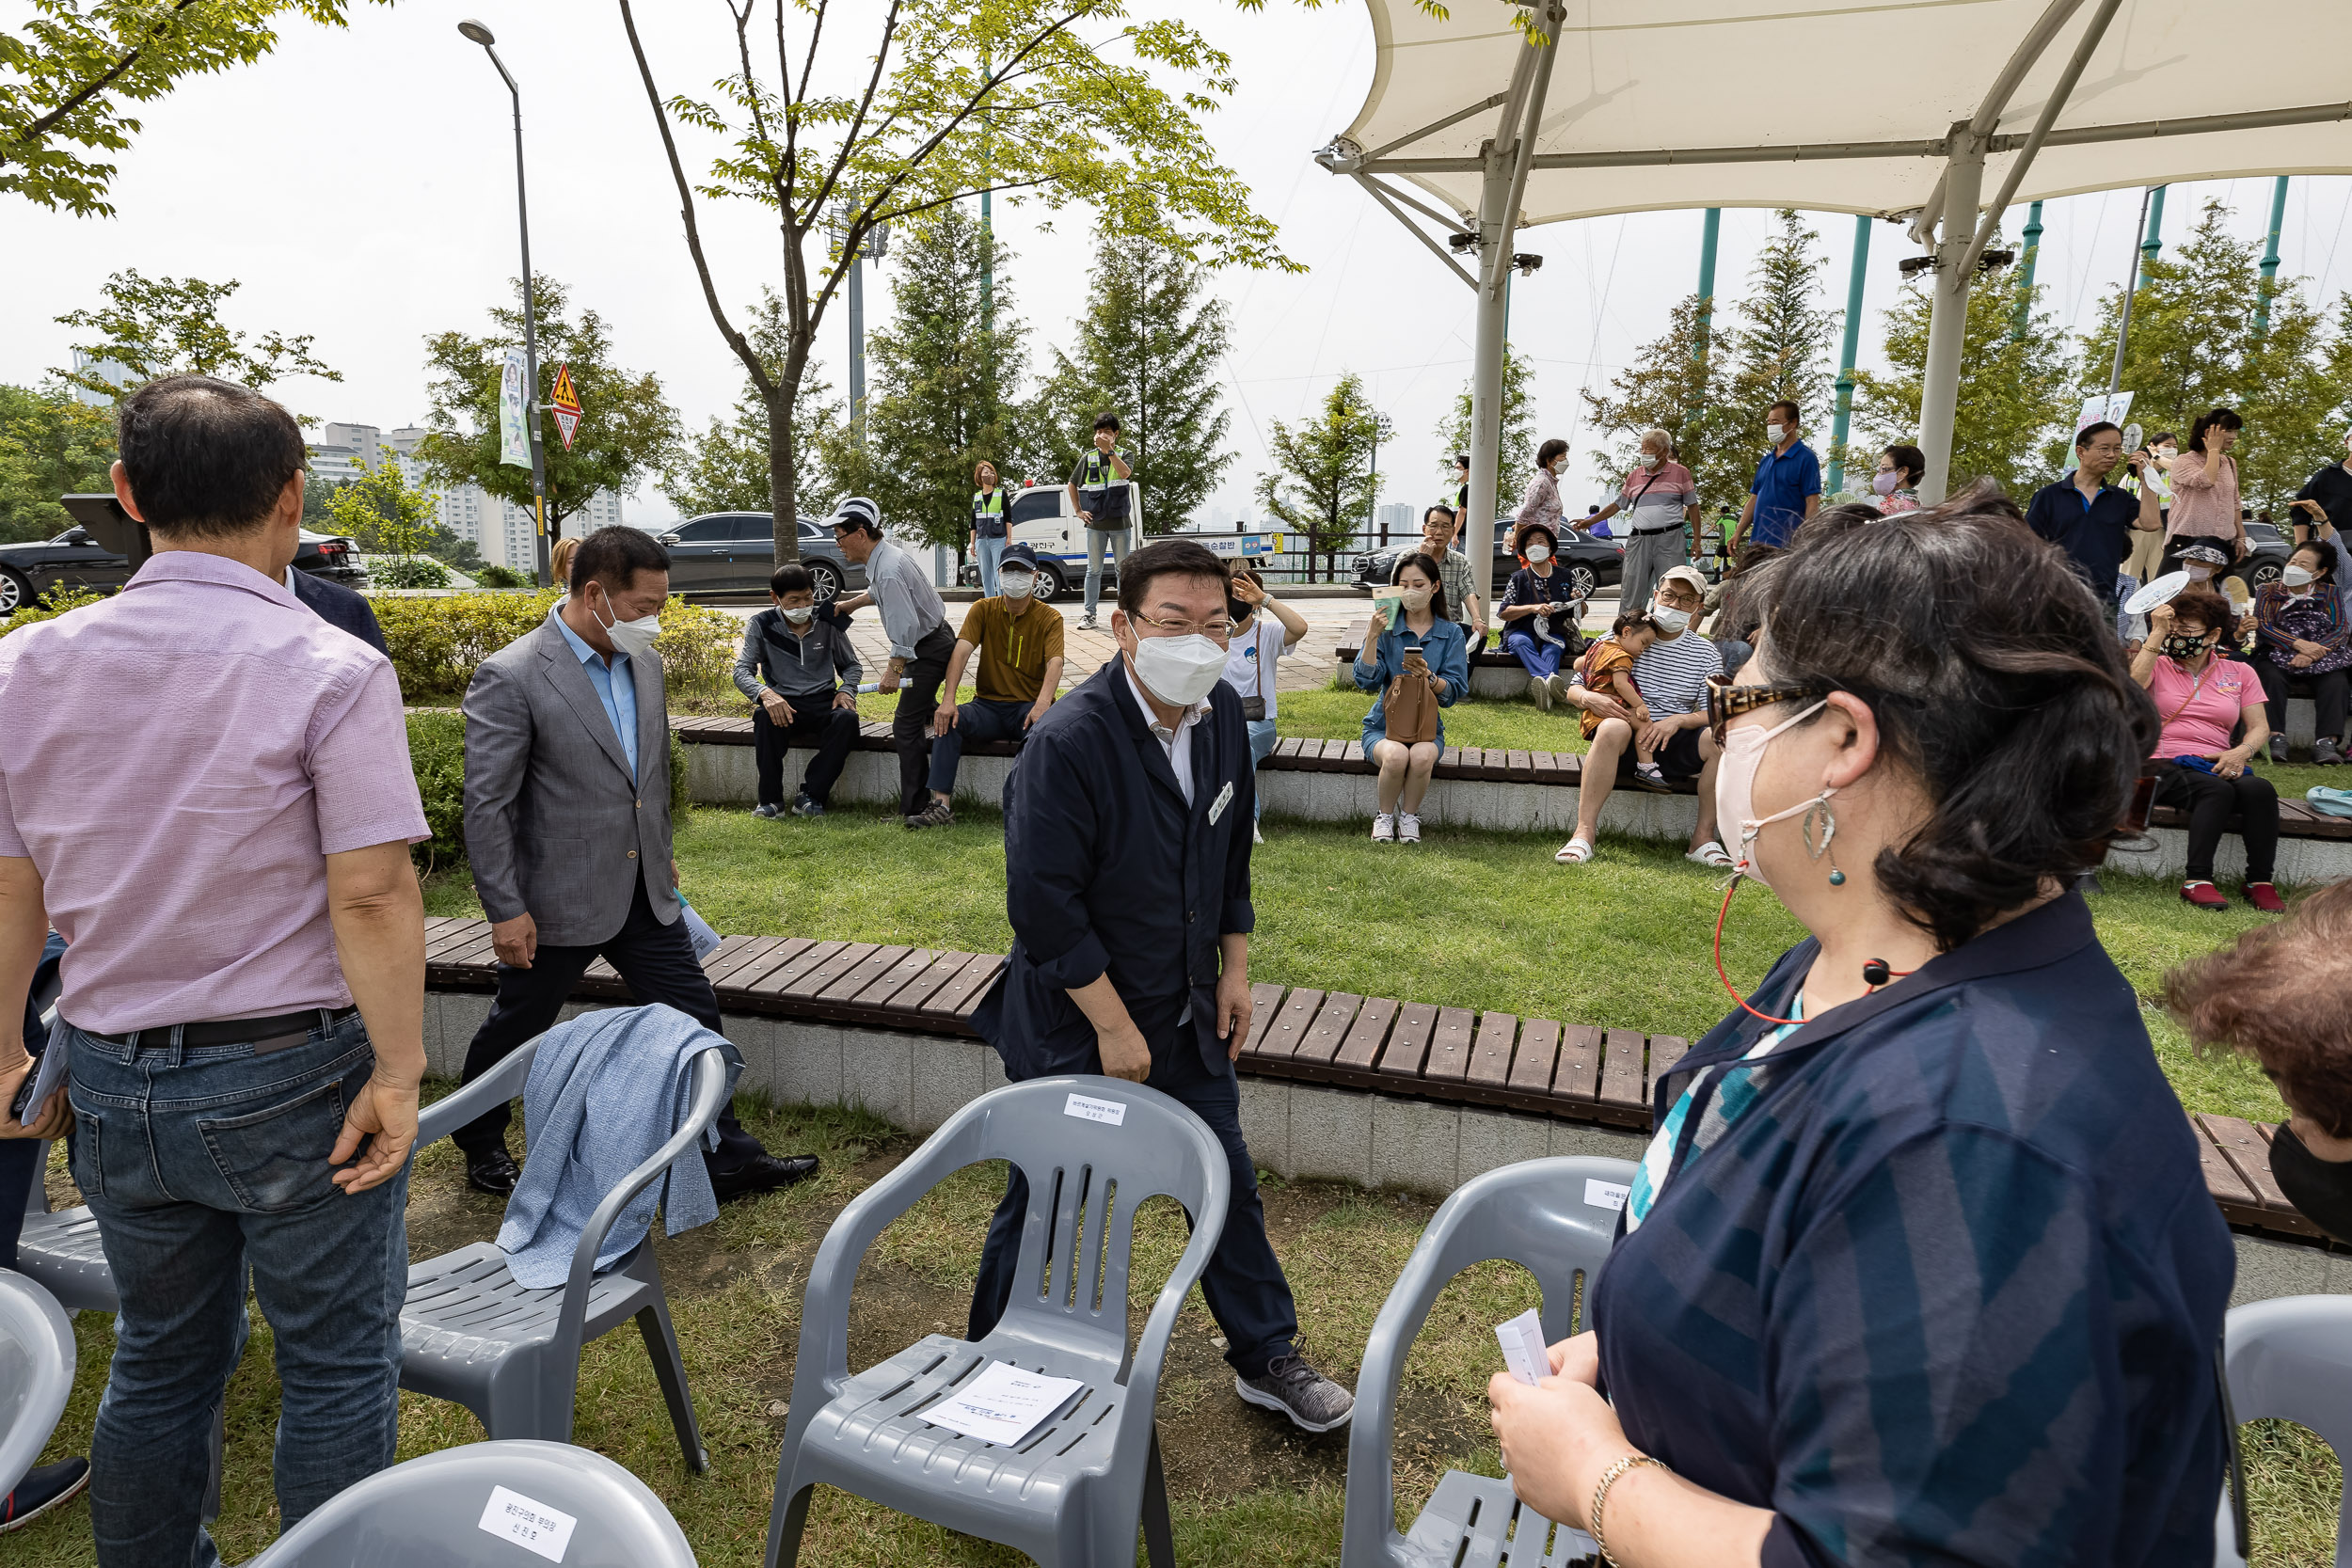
781,499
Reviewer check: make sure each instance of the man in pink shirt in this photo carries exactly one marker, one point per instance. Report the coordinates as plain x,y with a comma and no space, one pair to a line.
206,789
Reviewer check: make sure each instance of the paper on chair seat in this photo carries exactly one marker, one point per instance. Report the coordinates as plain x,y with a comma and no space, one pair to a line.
1004,1404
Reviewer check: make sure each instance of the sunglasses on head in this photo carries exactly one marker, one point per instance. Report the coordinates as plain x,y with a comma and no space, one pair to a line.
1726,702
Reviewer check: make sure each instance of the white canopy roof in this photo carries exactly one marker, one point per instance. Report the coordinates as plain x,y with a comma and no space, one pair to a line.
1669,104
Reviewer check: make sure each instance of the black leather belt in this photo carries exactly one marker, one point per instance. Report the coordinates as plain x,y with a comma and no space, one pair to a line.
234,1031
1646,532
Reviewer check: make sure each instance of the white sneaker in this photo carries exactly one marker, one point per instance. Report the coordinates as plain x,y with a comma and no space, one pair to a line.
1256,836
1559,685
1384,828
1540,689
1407,828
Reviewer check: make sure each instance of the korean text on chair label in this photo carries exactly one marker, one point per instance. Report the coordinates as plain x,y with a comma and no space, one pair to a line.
533,1525
1110,1112
1605,1194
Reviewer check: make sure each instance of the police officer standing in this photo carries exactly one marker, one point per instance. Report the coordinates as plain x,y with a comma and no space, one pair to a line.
1098,492
988,523
1128,881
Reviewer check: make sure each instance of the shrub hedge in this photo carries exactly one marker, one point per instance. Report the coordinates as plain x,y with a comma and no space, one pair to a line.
437,641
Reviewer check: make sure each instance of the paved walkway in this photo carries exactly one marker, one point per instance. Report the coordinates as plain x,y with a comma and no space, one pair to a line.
1308,666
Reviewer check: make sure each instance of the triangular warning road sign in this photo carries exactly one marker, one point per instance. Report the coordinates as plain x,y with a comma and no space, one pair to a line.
566,421
564,396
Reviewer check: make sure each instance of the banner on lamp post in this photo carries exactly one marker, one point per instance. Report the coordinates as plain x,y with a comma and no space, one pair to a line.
513,412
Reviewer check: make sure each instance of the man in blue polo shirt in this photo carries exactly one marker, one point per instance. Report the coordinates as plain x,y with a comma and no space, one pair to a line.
2091,519
1787,489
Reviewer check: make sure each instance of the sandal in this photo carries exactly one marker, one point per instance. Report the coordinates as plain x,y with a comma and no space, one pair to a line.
1575,852
1711,855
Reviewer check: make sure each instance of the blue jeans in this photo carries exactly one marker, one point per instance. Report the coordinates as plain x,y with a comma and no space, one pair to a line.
1540,659
1262,738
201,1163
1118,541
975,722
991,552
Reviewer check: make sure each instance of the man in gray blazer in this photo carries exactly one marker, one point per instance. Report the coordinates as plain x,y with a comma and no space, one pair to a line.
567,824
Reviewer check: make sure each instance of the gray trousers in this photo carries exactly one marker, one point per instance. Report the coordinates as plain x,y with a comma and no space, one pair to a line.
1646,558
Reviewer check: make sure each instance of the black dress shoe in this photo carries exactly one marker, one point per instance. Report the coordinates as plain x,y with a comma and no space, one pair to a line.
762,1173
494,1173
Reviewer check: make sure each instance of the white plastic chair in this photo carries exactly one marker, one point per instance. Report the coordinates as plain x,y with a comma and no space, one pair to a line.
37,1362
2291,1358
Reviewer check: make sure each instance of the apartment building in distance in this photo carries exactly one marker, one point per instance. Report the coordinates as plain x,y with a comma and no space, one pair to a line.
500,530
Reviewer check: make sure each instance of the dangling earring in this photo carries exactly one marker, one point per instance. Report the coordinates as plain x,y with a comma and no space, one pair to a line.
1819,830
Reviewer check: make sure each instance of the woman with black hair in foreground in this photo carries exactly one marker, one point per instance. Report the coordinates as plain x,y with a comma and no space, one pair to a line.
1920,1265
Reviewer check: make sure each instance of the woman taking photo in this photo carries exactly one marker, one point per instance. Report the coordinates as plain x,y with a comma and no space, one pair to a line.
2200,697
1421,627
1538,612
2204,491
2300,629
1920,1266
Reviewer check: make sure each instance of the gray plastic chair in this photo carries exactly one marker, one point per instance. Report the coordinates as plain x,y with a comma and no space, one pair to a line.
61,1250
37,1363
1534,1215
428,1512
470,1334
2291,1358
1070,1493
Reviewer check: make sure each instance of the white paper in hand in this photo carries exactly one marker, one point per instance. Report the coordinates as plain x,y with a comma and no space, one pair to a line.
698,931
1523,1349
1004,1404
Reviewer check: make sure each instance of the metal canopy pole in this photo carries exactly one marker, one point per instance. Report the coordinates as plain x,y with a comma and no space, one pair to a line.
1836,479
2270,259
1506,160
2131,286
2022,317
1947,310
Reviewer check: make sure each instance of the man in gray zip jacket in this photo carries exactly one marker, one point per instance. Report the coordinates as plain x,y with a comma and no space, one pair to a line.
802,675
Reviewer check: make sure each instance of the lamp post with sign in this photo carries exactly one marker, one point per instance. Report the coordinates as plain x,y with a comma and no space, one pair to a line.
476,33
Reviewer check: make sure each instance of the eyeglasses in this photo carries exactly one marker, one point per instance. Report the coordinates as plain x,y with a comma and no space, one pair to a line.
1219,628
1726,702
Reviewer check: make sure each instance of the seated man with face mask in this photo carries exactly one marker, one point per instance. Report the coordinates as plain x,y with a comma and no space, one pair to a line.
1018,641
801,673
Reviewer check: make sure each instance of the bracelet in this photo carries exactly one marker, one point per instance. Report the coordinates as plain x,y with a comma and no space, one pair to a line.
1600,1497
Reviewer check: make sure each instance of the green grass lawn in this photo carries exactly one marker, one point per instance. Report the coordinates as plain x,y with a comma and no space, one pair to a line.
1469,919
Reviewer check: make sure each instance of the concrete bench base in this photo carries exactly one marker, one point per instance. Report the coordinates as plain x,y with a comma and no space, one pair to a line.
1301,1132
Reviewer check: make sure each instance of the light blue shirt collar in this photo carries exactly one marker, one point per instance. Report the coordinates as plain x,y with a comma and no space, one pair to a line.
617,687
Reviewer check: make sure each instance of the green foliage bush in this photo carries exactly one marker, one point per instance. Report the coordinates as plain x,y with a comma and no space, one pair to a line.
59,602
501,577
410,571
435,644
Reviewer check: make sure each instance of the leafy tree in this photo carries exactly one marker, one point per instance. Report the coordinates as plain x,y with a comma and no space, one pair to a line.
154,327
1147,350
943,389
725,468
627,427
74,65
2015,397
50,445
1325,484
1780,343
385,515
2193,347
1515,456
1063,103
1672,388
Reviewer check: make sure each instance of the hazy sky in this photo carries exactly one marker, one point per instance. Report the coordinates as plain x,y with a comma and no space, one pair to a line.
360,184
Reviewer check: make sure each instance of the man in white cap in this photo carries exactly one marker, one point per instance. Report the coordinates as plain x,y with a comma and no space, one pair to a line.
916,621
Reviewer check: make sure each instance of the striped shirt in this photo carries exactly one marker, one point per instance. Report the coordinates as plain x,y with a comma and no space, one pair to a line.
1655,499
911,607
1672,672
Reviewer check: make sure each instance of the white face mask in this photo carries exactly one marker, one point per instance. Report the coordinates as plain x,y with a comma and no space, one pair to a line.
1417,598
800,616
1179,670
2295,577
1648,460
2199,571
1540,553
1669,620
629,638
1017,585
1735,788
1773,433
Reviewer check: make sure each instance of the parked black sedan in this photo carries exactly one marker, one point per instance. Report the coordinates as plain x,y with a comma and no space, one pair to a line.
1589,562
77,559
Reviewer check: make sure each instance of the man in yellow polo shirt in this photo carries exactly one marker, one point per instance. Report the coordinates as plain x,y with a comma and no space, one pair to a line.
1018,641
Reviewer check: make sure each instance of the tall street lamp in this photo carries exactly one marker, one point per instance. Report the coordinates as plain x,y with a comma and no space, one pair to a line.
475,32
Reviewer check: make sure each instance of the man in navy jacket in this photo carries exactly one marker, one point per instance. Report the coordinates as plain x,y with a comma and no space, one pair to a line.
1127,882
338,606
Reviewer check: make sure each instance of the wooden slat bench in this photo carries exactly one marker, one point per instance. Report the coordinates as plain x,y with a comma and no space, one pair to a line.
1566,1071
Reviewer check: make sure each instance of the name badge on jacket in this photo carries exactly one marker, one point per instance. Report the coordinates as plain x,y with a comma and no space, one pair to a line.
1224,798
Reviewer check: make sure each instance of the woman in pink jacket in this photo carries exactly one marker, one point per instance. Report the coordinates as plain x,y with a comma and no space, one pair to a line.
2205,490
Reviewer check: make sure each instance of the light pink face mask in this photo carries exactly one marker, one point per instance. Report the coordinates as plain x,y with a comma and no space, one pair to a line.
1735,789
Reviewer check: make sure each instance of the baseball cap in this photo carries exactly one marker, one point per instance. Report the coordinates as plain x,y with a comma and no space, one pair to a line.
1017,554
1687,574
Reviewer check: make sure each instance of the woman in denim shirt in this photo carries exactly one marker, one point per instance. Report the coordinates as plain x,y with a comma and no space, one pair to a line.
1423,626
